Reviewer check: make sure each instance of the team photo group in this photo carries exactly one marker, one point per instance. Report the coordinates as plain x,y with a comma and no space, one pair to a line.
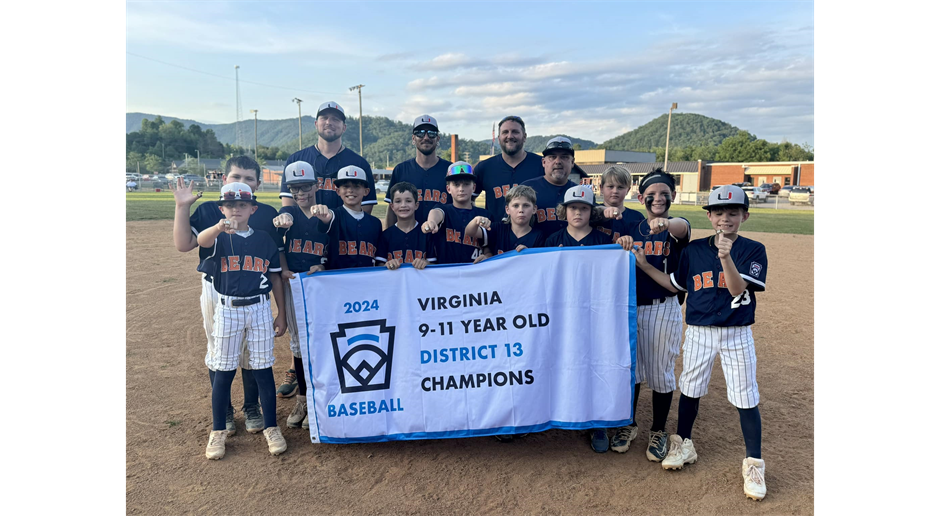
250,252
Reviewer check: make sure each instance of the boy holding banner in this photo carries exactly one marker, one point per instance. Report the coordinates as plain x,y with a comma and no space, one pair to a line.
400,243
454,245
515,231
354,234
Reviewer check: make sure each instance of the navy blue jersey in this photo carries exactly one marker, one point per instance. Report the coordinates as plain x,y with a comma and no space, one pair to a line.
500,238
700,274
242,262
625,226
325,171
548,197
431,185
451,244
496,177
396,244
353,242
304,245
662,251
561,238
208,214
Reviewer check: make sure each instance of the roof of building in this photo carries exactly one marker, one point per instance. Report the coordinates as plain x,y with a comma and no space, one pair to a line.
645,168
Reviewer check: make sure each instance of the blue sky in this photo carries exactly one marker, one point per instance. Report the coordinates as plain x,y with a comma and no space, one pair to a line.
589,69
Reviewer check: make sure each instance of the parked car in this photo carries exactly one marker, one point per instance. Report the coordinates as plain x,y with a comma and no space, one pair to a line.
197,181
785,191
801,195
770,188
129,176
381,186
755,193
159,182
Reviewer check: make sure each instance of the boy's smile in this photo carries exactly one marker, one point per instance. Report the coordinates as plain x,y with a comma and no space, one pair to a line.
728,220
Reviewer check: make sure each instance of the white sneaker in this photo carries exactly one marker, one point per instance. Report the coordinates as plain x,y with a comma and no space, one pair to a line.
306,423
680,453
216,448
753,472
297,415
623,436
276,443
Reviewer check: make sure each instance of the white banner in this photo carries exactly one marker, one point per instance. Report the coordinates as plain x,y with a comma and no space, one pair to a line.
522,342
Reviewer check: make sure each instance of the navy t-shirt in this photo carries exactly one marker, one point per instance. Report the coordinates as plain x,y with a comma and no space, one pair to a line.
396,244
496,177
501,239
325,171
353,242
451,244
548,197
304,245
431,185
662,251
208,214
561,238
242,262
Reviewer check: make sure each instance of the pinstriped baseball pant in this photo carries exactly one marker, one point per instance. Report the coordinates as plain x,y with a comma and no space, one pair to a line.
659,337
232,325
292,317
207,302
735,346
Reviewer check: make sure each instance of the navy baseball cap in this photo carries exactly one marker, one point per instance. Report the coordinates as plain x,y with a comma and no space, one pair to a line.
560,145
727,195
236,192
579,193
331,106
351,173
299,172
425,120
459,170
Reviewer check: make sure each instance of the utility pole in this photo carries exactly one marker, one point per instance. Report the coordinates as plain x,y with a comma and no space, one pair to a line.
359,87
255,111
668,125
300,128
197,160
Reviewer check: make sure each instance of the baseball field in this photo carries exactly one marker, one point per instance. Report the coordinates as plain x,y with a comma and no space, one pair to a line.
168,417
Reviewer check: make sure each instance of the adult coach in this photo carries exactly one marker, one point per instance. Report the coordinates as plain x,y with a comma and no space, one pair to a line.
426,171
557,161
511,167
327,157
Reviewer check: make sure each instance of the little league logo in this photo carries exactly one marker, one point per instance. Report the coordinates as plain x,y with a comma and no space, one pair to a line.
755,269
363,355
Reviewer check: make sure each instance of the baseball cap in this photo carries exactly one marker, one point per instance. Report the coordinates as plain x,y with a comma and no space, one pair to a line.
299,172
236,192
727,195
331,106
351,173
425,120
458,170
579,193
558,144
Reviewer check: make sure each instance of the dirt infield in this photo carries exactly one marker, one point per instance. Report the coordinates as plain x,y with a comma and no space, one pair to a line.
554,472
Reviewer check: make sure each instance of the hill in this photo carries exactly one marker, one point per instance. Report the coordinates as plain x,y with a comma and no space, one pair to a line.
688,130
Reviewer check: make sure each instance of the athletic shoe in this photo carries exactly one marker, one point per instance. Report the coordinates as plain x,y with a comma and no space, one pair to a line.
276,443
306,423
216,448
623,436
754,485
254,420
656,451
230,420
299,413
289,388
599,441
680,453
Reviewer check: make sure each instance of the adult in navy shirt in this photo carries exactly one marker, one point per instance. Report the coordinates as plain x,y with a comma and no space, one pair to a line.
426,171
557,160
327,157
497,175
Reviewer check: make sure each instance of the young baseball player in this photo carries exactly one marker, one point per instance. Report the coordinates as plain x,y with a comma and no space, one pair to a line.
403,242
515,231
304,251
245,266
185,230
619,220
721,273
659,316
577,209
448,221
354,234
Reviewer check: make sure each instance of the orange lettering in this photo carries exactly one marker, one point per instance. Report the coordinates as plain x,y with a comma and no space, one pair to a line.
308,247
258,266
371,250
247,265
409,257
342,247
506,189
721,280
295,248
363,249
233,263
397,255
497,192
224,265
550,213
540,215
437,196
351,249
659,249
649,248
318,249
707,277
266,263
698,282
450,235
666,249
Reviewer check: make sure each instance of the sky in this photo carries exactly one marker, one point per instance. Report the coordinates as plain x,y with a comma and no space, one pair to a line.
592,70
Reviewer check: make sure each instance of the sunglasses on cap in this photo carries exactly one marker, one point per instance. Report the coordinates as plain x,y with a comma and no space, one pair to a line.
300,188
421,132
460,169
240,195
563,145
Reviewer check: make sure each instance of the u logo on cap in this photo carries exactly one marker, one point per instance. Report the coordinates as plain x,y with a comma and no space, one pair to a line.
725,199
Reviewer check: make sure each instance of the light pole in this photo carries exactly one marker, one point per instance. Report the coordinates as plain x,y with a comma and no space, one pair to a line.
197,159
668,125
300,128
359,87
255,111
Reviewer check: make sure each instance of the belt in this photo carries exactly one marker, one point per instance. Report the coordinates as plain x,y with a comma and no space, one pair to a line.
647,302
242,301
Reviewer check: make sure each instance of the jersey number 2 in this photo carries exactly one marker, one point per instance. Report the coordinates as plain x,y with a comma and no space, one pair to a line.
743,299
264,282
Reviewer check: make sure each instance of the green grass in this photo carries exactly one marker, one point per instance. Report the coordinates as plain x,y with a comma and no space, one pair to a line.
160,206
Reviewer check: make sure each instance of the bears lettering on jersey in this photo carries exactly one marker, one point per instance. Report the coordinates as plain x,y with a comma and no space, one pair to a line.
306,247
546,214
407,257
248,263
706,280
455,236
432,195
351,248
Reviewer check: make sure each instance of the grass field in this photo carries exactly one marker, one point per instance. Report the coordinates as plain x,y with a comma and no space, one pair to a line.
160,206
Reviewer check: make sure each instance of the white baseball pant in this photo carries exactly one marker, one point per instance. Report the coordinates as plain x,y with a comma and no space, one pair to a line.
659,337
291,316
207,301
735,345
237,325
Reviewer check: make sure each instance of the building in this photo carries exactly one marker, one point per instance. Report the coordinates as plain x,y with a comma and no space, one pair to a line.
785,173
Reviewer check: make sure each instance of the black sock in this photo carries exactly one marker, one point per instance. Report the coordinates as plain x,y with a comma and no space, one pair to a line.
688,411
268,391
212,385
301,379
636,396
250,388
221,397
750,427
661,403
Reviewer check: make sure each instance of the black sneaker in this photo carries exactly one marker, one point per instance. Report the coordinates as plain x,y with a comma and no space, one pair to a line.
599,440
656,451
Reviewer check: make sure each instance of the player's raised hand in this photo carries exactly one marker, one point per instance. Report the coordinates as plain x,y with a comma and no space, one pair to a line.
482,221
321,212
419,264
392,264
429,227
316,268
723,244
280,324
183,193
284,221
658,225
613,213
286,274
626,242
229,226
640,256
